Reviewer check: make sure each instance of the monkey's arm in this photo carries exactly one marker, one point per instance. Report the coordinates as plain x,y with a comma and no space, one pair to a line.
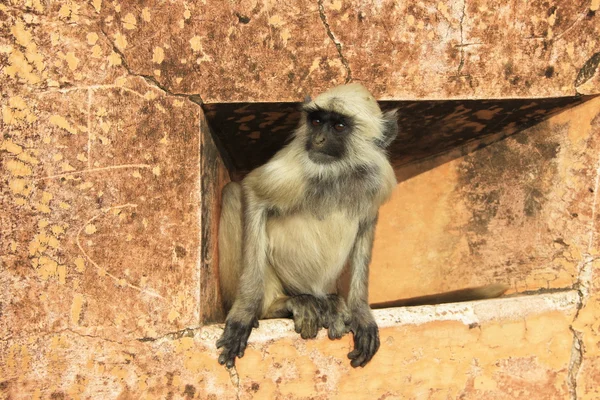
362,324
248,302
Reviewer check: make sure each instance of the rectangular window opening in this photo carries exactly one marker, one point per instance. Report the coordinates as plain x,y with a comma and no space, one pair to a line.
478,180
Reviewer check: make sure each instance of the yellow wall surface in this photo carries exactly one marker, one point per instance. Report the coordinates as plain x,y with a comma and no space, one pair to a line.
519,211
109,185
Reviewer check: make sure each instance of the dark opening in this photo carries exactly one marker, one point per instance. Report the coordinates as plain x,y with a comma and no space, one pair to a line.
251,133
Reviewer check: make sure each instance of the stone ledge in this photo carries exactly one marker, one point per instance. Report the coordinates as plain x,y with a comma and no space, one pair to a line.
493,349
469,313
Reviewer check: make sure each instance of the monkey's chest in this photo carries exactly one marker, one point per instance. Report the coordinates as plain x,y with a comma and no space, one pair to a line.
308,254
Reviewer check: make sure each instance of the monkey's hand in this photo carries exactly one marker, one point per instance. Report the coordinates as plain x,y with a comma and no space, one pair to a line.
366,336
234,340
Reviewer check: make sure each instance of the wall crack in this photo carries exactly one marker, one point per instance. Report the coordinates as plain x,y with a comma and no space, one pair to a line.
235,380
574,363
186,332
89,336
462,44
68,330
588,70
584,282
337,44
152,81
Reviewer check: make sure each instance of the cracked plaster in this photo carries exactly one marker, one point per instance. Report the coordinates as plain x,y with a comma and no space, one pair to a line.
102,154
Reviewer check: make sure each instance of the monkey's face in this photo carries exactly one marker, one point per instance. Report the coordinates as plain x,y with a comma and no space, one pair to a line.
327,135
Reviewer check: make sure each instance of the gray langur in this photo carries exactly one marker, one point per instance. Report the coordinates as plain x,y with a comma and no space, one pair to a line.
289,228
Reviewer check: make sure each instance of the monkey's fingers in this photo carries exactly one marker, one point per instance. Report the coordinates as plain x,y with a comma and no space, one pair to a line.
336,326
308,323
306,314
337,329
310,328
227,358
234,341
366,344
221,341
335,317
298,322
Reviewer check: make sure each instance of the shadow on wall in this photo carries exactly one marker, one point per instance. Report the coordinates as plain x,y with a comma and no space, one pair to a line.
250,133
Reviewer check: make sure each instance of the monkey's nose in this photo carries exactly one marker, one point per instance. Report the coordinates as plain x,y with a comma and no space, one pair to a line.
319,141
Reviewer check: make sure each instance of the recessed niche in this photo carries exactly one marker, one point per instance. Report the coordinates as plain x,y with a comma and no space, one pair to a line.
490,191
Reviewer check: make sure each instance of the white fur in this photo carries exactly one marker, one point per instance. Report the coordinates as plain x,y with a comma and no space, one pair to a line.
305,253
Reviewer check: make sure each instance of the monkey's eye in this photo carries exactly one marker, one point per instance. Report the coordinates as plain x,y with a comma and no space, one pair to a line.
315,122
339,127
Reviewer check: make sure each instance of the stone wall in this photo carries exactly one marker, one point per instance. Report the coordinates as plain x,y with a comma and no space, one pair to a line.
110,180
520,211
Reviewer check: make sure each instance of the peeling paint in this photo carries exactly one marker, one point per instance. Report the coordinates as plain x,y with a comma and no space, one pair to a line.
61,122
80,154
158,55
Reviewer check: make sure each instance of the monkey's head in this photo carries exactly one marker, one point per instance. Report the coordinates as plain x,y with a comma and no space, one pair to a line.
345,123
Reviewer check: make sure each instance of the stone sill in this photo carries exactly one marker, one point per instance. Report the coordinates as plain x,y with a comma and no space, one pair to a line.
501,348
494,349
472,314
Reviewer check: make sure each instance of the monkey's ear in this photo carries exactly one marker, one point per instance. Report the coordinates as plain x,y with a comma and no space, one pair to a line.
389,130
307,99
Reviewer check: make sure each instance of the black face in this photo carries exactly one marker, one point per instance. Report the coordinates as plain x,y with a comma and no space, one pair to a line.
327,135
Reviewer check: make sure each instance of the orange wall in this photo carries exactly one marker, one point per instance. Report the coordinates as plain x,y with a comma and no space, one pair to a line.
518,211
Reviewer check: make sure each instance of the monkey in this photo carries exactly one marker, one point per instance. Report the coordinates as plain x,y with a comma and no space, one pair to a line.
289,228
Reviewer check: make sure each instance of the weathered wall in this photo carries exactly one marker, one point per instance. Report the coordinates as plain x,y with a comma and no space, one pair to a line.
279,51
109,185
103,179
441,352
100,204
519,211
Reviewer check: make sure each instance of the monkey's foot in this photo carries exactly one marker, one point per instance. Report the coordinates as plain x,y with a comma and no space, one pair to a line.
336,316
310,313
366,338
234,340
307,312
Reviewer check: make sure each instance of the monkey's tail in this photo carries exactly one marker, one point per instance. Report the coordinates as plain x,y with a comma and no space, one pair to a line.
454,296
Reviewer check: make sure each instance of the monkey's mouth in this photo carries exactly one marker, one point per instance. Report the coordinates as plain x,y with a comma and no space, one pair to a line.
320,157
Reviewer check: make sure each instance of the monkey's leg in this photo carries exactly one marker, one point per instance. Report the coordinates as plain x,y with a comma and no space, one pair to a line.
310,313
230,266
337,316
362,323
230,243
243,315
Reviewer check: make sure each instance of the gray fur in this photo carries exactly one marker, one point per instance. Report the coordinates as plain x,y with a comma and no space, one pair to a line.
390,129
292,225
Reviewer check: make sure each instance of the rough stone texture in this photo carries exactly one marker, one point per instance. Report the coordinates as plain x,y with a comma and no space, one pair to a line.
91,234
110,181
519,211
586,327
587,349
502,349
100,182
279,51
